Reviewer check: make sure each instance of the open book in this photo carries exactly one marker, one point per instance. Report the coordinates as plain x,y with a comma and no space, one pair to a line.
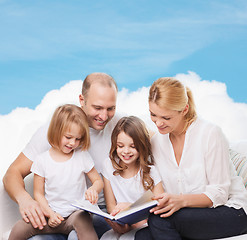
136,212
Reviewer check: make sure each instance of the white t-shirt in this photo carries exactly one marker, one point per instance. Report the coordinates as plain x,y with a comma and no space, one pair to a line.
127,190
205,166
99,147
64,181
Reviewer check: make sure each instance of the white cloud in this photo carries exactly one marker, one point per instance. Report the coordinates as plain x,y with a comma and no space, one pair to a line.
211,99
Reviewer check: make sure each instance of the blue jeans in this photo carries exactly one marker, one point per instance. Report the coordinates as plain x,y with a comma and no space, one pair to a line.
196,223
49,237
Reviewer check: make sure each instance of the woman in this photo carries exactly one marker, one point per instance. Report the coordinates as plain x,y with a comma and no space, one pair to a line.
204,198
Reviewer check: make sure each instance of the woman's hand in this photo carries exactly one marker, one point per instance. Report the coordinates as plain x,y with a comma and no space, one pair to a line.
92,195
55,219
168,204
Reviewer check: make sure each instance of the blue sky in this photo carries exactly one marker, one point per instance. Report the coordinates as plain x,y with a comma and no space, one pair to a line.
45,44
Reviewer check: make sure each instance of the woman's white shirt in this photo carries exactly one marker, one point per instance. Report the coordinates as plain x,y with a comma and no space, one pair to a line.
204,167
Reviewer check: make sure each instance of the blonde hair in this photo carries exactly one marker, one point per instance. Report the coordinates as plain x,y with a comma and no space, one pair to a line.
62,119
136,129
172,94
102,78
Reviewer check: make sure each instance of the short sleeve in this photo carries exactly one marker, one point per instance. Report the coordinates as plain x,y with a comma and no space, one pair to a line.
38,143
155,175
107,169
38,166
87,161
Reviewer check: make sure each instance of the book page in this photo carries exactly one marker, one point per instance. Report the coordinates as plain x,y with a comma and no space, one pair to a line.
146,197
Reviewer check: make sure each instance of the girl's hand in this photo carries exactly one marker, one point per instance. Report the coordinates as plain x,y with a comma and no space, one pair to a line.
55,219
118,227
168,204
91,195
120,207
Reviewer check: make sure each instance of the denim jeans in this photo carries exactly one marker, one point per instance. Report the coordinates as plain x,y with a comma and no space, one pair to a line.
49,237
196,223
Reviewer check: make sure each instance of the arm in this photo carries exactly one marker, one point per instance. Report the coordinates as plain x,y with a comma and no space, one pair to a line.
14,184
39,195
111,205
97,186
170,203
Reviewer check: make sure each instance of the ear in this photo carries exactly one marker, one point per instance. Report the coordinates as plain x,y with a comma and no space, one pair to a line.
81,100
186,109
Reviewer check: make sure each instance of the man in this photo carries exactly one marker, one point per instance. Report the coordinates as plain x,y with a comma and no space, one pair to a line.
98,100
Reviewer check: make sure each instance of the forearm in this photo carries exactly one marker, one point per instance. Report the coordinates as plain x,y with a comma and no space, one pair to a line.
98,185
14,185
43,203
196,200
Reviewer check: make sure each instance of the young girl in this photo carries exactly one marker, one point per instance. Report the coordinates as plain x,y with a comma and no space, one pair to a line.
128,173
59,177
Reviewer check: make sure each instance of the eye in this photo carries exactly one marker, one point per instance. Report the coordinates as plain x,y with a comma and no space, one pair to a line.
166,118
67,137
119,146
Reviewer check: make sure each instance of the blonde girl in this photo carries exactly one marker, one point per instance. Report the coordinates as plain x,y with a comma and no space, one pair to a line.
59,177
128,173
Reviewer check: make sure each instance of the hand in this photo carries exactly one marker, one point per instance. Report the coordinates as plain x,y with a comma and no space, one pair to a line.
91,195
55,219
120,207
31,212
118,227
168,204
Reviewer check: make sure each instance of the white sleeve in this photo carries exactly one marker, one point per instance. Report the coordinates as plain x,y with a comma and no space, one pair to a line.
38,143
107,169
88,161
155,175
217,167
38,167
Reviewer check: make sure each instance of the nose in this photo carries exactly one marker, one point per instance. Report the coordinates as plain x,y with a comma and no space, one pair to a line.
126,149
72,141
158,123
103,115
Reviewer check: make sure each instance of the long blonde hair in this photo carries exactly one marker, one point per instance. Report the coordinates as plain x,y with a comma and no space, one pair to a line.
136,129
61,121
170,93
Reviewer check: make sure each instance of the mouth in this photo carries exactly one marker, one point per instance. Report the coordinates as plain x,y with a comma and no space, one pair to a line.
127,157
100,122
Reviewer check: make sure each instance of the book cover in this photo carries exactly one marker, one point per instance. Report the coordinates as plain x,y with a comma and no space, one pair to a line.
136,212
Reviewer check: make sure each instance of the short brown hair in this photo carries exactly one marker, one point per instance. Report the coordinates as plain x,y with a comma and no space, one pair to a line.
62,119
102,78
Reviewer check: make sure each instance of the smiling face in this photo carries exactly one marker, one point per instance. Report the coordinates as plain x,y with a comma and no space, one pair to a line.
99,105
70,139
167,121
126,149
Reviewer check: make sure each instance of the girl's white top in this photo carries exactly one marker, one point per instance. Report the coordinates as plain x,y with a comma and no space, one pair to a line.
205,166
64,181
127,190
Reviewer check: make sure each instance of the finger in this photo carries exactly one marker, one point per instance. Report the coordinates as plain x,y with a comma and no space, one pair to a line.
163,210
24,217
37,219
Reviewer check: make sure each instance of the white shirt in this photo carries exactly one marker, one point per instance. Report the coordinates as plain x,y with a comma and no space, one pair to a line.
64,181
127,190
204,167
99,147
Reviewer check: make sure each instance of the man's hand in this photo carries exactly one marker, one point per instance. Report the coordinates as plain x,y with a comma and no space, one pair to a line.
31,212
